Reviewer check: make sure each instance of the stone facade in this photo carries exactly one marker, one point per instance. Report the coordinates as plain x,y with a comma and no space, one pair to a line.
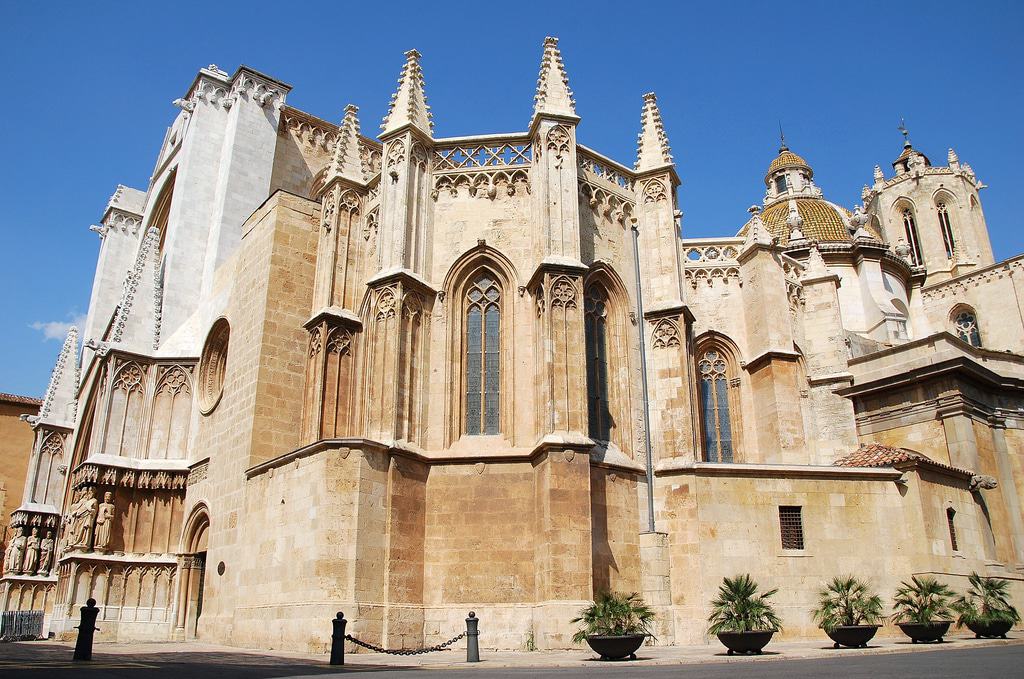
407,377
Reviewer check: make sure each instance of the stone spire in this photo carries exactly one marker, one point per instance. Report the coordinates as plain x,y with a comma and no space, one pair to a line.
409,103
346,163
61,394
815,267
757,232
553,94
652,149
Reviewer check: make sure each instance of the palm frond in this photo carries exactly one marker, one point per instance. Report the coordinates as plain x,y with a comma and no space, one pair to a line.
922,600
987,600
739,608
614,614
845,600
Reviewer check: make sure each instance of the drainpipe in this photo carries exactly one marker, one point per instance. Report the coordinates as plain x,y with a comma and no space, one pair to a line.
643,379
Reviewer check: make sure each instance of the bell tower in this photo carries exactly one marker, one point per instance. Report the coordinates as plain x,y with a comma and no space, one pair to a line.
932,213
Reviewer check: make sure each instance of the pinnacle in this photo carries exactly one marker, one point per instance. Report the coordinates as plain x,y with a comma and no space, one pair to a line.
346,162
60,392
652,149
553,93
409,102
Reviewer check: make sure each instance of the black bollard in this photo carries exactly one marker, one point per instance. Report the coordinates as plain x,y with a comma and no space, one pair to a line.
86,627
472,638
338,640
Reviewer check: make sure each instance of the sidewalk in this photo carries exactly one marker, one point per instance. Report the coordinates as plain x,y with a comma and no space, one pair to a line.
141,654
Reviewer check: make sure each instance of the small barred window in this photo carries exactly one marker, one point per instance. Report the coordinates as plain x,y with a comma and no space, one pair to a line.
791,525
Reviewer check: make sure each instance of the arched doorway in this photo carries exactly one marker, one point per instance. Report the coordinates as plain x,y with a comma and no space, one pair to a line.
192,573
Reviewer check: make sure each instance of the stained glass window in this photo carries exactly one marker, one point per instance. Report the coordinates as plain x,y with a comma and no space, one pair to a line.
483,358
714,401
596,322
966,324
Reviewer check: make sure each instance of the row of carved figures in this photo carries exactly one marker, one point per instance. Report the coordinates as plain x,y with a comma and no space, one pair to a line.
28,554
88,523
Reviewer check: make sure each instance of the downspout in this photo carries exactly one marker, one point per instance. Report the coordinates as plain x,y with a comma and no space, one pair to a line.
643,379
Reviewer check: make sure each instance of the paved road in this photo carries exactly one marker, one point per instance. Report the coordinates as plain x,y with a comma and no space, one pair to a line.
52,662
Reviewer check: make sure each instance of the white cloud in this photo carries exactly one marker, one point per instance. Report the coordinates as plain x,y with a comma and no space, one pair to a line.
58,330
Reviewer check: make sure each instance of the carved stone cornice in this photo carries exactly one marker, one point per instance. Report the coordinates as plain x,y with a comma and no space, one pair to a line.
92,473
197,472
335,316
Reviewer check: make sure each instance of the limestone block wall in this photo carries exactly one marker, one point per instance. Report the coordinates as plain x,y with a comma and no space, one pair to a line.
256,417
1003,281
728,524
479,551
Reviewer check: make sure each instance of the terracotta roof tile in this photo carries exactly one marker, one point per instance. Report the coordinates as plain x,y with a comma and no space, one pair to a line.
24,400
879,455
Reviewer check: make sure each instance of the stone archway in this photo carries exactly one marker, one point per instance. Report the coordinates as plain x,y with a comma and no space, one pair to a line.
192,573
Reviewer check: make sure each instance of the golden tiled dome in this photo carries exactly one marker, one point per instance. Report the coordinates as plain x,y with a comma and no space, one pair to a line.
823,221
787,159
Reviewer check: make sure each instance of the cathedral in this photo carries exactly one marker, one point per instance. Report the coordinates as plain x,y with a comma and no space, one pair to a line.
406,377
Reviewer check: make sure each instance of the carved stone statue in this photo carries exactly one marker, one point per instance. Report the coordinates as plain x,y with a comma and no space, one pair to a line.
15,551
45,553
83,516
31,559
104,522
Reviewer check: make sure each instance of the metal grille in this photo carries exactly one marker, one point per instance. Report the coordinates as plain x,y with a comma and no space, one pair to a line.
21,625
950,514
791,524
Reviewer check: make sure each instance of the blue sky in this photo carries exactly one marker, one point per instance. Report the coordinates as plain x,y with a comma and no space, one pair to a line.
89,91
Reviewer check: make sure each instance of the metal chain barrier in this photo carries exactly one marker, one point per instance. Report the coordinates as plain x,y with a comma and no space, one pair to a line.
403,651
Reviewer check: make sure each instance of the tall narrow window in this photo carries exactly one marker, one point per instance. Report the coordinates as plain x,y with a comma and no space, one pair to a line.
714,401
910,225
950,515
596,322
780,184
966,324
947,230
483,343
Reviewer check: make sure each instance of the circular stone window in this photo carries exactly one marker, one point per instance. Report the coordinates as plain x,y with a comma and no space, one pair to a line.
212,365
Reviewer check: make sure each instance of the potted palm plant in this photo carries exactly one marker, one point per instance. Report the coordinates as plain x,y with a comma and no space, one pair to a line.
743,620
921,609
985,608
848,611
615,625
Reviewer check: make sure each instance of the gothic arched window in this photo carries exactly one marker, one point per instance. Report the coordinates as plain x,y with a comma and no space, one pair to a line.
483,364
596,327
910,226
947,230
965,322
716,423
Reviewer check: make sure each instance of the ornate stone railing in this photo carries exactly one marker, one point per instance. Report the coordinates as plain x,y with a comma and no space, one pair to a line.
473,154
711,251
485,167
593,166
710,260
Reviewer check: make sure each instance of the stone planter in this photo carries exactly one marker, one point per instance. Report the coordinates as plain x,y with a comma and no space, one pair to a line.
853,636
932,631
616,648
990,630
745,642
